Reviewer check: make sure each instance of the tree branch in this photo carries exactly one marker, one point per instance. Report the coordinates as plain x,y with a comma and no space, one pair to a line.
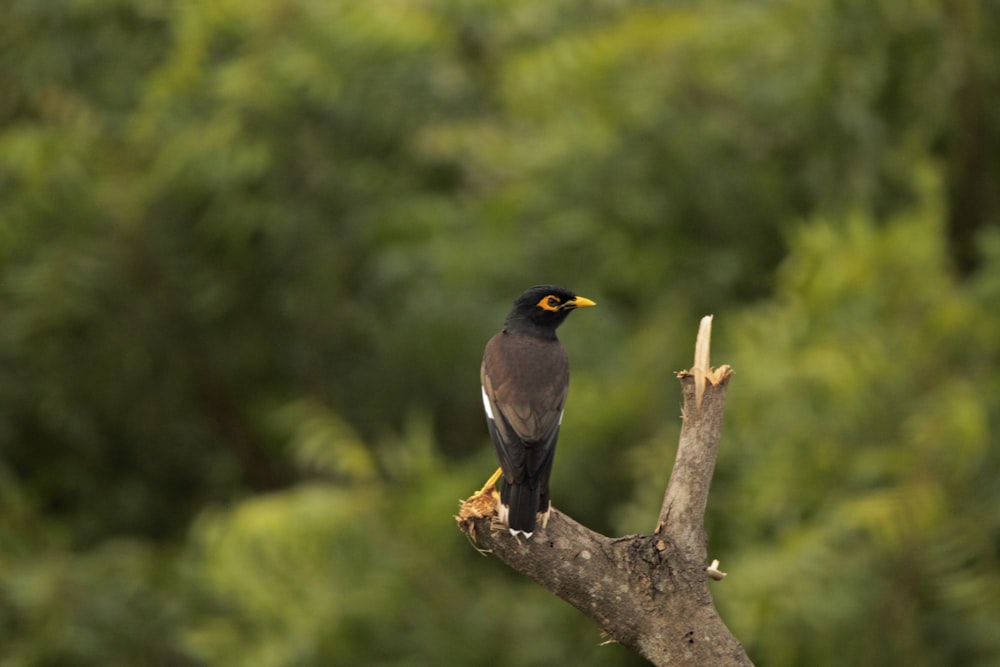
648,592
682,515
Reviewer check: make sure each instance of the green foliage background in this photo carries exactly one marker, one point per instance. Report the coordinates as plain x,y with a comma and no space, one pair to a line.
250,253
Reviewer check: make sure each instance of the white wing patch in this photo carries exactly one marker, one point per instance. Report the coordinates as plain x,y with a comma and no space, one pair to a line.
560,417
486,404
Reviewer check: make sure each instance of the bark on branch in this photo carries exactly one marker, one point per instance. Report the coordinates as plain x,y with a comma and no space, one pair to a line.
648,592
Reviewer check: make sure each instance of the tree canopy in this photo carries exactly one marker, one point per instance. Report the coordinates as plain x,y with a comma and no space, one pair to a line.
250,254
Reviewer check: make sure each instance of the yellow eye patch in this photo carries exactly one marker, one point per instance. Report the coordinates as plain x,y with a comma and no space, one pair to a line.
549,303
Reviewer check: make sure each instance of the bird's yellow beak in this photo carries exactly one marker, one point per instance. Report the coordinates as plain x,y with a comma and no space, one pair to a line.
579,302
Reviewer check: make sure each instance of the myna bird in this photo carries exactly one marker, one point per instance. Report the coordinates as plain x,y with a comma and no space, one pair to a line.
525,376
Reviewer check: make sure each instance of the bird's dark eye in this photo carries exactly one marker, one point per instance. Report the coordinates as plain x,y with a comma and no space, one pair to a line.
549,302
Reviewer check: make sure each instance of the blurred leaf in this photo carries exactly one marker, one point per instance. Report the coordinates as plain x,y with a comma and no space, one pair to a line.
322,442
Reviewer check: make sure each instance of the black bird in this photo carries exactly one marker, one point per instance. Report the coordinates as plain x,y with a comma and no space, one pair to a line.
525,376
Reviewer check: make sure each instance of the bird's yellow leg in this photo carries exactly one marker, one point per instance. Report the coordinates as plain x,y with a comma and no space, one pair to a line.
483,502
490,482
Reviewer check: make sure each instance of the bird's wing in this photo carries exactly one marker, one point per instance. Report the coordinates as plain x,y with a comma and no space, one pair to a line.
524,390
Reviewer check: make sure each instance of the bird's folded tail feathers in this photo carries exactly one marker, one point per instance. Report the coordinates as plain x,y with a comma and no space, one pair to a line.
522,501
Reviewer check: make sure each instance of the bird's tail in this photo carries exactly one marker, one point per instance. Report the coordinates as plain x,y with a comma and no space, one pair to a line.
522,500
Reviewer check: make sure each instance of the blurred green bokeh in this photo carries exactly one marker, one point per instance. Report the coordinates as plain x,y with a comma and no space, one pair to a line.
250,254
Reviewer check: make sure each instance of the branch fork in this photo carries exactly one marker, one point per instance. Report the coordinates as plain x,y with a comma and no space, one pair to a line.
648,592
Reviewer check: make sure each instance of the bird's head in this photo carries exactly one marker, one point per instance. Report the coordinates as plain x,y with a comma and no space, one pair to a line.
541,309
